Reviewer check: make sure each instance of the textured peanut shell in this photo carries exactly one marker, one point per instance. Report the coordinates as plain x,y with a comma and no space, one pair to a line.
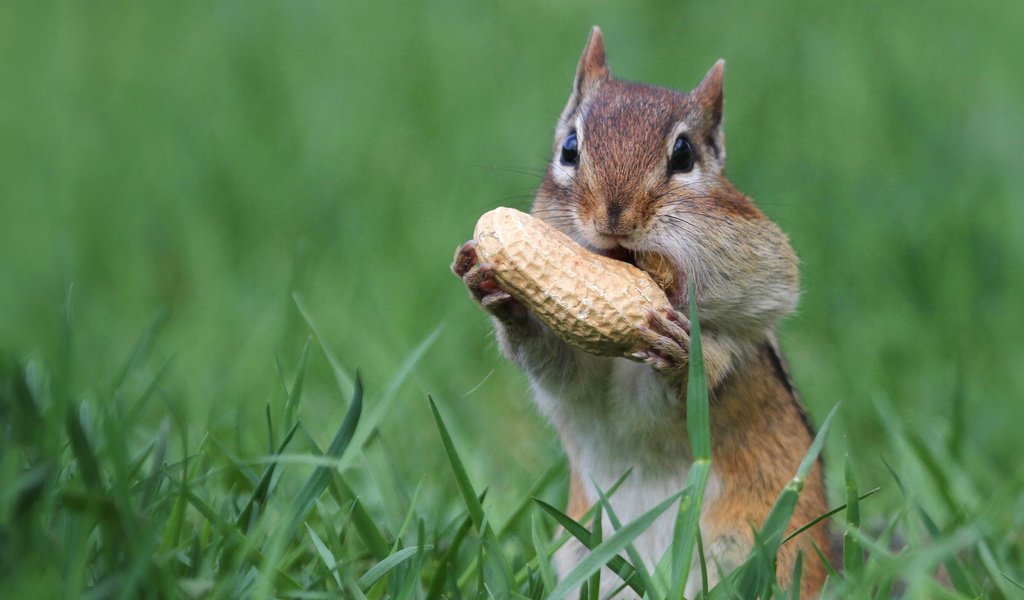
591,301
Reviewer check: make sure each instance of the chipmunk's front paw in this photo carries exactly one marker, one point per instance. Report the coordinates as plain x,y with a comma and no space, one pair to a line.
483,287
667,340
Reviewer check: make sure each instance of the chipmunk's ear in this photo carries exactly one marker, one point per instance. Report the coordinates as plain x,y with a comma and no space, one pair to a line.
710,97
592,70
593,67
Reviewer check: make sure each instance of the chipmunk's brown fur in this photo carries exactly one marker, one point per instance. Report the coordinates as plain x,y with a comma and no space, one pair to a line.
625,194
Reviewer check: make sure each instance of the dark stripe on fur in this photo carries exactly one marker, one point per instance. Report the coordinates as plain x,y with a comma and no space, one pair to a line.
779,363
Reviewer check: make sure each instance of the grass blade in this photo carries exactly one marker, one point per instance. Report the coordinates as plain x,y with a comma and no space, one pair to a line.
698,424
259,493
547,575
231,533
443,567
634,556
596,534
140,349
156,474
476,510
703,564
829,569
340,374
617,564
987,559
412,583
313,487
379,570
325,555
1016,583
798,569
525,503
82,449
408,515
757,574
384,404
317,482
473,504
853,554
603,553
697,411
291,405
363,522
270,427
961,580
830,513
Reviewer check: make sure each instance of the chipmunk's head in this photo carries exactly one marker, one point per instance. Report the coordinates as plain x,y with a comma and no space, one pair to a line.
638,171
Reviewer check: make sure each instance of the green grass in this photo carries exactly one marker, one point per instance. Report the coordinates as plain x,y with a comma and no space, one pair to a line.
87,512
235,206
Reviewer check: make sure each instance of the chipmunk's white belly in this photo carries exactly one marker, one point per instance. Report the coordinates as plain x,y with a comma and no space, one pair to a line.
625,419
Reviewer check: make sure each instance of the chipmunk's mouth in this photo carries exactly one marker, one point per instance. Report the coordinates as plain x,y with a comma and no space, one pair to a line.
667,275
620,253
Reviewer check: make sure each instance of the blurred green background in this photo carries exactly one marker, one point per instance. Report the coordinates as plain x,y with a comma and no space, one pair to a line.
211,160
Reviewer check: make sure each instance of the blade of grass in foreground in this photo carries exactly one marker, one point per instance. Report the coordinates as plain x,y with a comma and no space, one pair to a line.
798,569
617,564
703,565
408,515
232,534
469,496
441,573
379,570
142,346
82,449
547,575
362,520
634,556
987,559
958,575
535,489
594,583
775,524
340,374
830,513
291,405
308,493
325,555
853,555
573,529
608,549
317,482
259,493
1012,580
476,510
698,424
383,404
757,574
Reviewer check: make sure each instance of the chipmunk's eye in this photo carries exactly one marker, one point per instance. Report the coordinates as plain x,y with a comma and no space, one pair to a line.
682,157
570,151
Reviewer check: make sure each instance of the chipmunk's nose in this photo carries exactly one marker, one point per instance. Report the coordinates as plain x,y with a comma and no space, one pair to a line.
615,225
614,214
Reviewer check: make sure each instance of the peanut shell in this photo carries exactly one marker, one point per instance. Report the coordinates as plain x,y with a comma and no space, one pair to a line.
591,301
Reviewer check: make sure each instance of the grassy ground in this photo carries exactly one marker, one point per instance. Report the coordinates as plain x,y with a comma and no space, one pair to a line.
212,215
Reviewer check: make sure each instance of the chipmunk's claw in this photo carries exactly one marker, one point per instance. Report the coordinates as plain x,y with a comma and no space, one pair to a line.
667,341
465,258
482,284
496,298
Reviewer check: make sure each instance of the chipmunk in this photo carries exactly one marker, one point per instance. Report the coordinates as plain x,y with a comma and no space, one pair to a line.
638,171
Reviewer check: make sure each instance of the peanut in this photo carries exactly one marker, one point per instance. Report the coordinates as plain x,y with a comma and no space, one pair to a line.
591,301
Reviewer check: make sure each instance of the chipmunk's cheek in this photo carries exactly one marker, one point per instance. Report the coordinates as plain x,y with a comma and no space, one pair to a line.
669,276
677,295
